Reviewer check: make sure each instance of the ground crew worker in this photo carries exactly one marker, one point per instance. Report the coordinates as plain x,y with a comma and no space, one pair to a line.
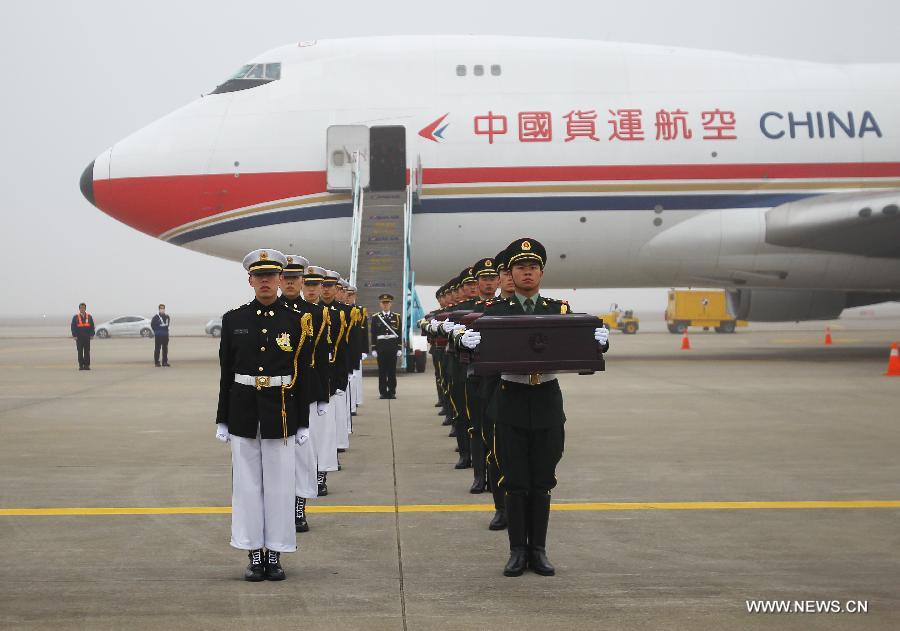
83,331
529,417
259,414
313,388
160,326
387,344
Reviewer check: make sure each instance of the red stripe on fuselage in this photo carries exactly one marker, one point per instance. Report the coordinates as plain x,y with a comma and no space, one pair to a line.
660,172
155,205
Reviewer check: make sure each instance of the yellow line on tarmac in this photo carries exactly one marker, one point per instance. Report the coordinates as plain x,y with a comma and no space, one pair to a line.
459,508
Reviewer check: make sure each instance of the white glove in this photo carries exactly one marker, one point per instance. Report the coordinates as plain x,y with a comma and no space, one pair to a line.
222,433
448,326
321,408
399,353
364,355
375,354
433,325
470,339
339,392
302,435
459,328
601,334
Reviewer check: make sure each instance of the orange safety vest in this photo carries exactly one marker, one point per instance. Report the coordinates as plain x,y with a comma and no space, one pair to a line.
85,322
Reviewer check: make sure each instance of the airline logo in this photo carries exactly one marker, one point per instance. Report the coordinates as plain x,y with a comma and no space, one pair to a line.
435,131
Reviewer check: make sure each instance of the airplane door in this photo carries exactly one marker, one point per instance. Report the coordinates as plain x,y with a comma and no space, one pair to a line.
388,158
342,142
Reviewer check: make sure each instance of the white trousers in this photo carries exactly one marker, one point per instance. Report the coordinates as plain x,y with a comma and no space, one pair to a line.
340,402
262,494
357,388
323,437
305,465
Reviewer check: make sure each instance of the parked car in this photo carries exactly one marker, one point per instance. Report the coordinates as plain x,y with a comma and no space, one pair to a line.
214,327
124,326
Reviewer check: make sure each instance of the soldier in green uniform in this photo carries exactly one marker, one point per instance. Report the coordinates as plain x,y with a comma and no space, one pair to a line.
529,418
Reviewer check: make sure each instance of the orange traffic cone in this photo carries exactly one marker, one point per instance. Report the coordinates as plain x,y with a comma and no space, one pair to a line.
685,342
828,336
893,362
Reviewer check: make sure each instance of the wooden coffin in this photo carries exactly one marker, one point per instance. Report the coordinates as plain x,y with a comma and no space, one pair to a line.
526,344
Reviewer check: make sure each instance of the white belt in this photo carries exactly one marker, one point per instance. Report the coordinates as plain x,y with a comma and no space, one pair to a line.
534,379
262,381
387,337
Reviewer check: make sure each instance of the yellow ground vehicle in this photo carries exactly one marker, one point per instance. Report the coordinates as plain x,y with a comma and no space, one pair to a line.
624,321
698,307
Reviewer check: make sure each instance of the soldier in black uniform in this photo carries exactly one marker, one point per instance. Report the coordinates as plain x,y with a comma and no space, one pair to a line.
485,273
384,328
457,371
313,388
322,426
529,418
339,318
260,412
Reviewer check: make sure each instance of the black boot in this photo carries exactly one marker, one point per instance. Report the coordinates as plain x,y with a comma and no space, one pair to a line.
462,441
300,514
256,571
476,446
452,433
446,420
499,520
273,566
518,544
539,518
323,487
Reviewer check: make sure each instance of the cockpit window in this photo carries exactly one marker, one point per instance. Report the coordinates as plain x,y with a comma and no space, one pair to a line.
250,76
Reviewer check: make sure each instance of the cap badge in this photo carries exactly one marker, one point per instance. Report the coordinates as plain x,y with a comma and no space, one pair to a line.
526,245
489,263
290,260
263,255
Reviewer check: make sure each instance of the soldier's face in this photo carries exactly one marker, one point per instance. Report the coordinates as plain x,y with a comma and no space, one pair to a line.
290,286
351,298
386,305
329,290
527,277
487,285
312,291
470,290
265,285
506,282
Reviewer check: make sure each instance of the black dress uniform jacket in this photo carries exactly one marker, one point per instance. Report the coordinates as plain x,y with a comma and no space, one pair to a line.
339,317
260,340
314,357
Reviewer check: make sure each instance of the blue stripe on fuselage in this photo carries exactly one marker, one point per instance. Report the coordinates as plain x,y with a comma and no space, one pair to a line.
475,204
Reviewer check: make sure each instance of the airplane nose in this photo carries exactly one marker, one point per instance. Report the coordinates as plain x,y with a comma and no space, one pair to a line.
87,183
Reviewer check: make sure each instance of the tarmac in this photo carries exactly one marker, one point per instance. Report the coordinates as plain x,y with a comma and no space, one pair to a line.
756,466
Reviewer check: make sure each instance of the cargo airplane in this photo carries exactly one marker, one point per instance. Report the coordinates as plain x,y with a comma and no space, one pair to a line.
636,165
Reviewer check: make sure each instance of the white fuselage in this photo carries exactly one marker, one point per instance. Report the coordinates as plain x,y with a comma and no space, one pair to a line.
634,165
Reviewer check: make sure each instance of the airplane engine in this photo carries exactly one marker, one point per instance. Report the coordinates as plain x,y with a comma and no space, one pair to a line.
794,305
779,305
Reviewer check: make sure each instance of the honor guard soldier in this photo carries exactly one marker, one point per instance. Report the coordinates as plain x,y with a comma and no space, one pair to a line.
322,430
339,318
314,385
83,331
259,414
487,279
529,417
456,370
387,343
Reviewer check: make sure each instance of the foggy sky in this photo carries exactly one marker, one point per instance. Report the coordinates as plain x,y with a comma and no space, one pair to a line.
82,75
